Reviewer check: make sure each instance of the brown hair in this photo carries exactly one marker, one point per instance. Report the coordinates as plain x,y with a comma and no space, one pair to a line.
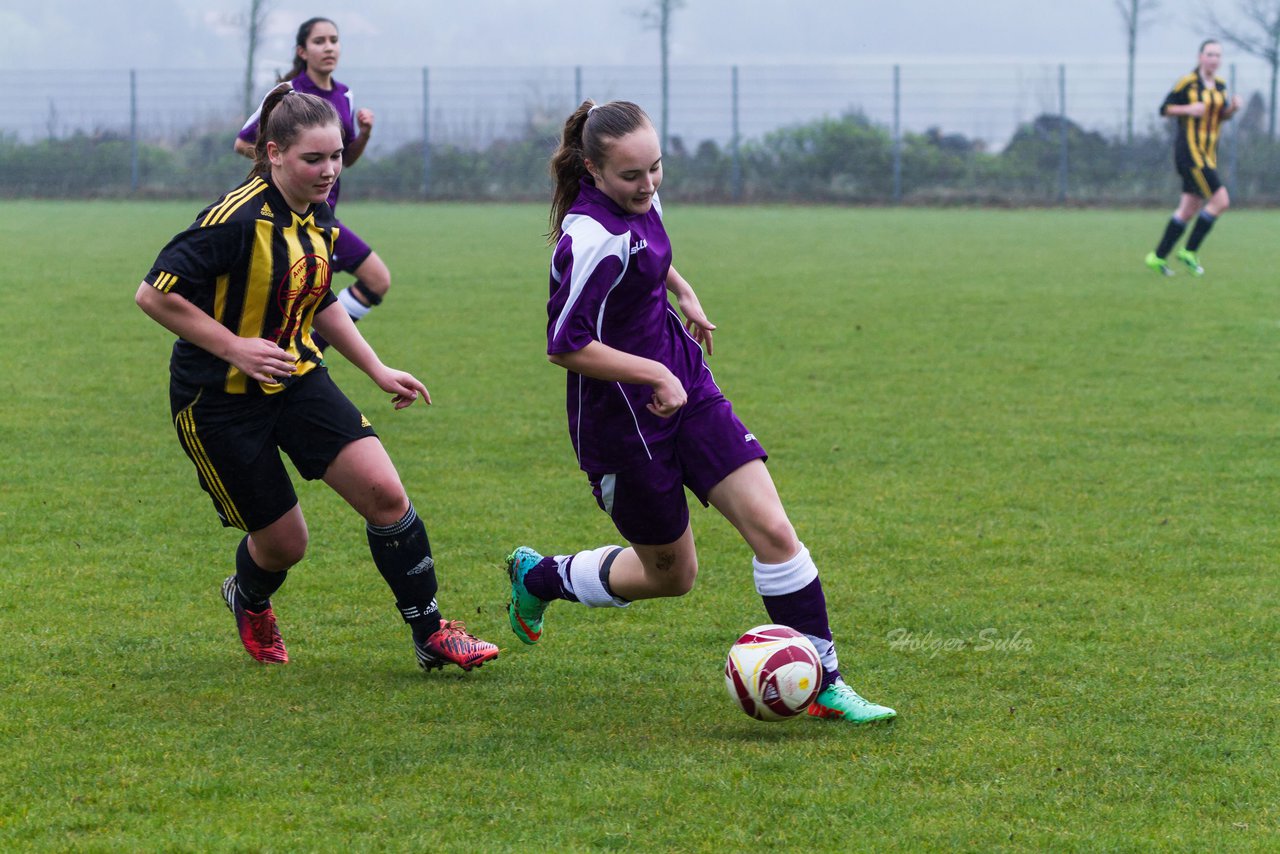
1204,44
285,114
304,33
586,136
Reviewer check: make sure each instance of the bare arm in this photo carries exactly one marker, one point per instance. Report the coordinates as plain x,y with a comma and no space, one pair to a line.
602,362
261,360
340,331
1195,110
364,121
695,318
244,149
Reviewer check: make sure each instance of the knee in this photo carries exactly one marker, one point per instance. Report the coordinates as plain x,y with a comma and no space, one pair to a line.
280,553
777,540
387,504
675,578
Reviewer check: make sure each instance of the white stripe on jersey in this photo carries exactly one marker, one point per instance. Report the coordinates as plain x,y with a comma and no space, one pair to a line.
591,244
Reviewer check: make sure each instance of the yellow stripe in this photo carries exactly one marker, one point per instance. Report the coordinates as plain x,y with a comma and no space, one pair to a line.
1198,175
1205,122
1214,126
1191,143
195,448
234,201
164,282
257,294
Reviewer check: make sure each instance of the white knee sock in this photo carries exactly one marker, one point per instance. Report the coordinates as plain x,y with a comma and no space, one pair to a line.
585,575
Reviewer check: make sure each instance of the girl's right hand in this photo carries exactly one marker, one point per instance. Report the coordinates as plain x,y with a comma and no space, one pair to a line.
668,396
262,360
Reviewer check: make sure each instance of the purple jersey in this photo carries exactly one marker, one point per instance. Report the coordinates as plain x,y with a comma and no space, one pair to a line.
609,284
339,96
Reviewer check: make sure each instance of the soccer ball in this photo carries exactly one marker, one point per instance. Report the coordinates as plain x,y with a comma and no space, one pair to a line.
773,673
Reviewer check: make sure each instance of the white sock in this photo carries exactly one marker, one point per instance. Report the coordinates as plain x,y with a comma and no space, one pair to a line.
581,575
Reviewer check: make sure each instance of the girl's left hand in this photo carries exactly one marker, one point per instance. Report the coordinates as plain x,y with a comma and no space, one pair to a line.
364,121
405,387
696,319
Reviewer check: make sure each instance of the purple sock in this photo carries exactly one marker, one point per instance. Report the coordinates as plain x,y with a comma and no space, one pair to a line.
806,611
544,581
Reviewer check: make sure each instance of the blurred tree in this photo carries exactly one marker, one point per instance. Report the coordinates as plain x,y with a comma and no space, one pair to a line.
658,17
1258,36
1134,13
254,22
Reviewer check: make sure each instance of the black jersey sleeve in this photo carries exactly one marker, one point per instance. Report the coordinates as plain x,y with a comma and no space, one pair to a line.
191,262
1180,95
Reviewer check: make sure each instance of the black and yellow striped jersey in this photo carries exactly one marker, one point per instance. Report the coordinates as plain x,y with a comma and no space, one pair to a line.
1197,138
258,268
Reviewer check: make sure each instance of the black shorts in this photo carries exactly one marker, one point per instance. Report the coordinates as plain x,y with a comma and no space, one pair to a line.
1202,181
234,441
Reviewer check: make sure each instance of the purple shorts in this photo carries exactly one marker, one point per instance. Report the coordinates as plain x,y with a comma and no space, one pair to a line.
349,251
647,503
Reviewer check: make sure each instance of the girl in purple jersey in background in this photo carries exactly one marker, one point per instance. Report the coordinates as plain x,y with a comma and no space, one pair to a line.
645,415
315,58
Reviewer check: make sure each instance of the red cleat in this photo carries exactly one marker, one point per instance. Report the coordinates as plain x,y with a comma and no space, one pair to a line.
258,631
452,645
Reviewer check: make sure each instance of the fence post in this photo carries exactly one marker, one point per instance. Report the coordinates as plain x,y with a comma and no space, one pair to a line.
1062,125
1233,155
426,132
735,173
897,134
577,86
133,131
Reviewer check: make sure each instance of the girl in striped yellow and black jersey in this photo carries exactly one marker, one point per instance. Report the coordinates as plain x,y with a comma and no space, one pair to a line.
242,288
1199,102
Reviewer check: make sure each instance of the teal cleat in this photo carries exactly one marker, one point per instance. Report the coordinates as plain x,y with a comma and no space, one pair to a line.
1156,263
1191,262
839,701
525,610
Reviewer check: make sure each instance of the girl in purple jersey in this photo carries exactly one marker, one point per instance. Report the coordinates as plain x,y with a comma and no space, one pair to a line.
315,58
646,417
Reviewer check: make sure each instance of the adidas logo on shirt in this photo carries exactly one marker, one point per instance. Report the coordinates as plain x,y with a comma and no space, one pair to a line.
643,244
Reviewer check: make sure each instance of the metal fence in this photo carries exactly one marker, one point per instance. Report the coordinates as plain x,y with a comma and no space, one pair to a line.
471,108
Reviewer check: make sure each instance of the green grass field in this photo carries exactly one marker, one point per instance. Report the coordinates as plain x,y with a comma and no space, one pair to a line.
1041,484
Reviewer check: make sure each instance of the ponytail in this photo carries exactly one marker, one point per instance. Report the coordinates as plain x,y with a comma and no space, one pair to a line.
567,168
285,114
585,137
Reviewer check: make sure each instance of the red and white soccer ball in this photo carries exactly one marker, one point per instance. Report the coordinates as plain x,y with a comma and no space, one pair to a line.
773,673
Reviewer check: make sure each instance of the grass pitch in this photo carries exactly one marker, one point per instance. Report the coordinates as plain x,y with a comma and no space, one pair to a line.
1040,483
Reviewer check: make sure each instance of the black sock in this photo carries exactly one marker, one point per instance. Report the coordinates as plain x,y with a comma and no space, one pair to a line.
1172,232
402,553
253,583
1204,222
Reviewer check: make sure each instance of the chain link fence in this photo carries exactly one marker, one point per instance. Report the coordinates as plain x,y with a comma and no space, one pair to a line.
997,132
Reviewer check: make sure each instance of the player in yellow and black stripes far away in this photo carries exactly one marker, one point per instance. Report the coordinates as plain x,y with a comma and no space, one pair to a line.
1200,104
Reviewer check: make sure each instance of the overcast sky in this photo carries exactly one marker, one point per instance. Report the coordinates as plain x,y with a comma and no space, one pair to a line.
145,34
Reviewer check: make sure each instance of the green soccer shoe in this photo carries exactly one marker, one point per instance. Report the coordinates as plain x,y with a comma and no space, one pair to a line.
1191,262
525,610
840,702
1156,263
